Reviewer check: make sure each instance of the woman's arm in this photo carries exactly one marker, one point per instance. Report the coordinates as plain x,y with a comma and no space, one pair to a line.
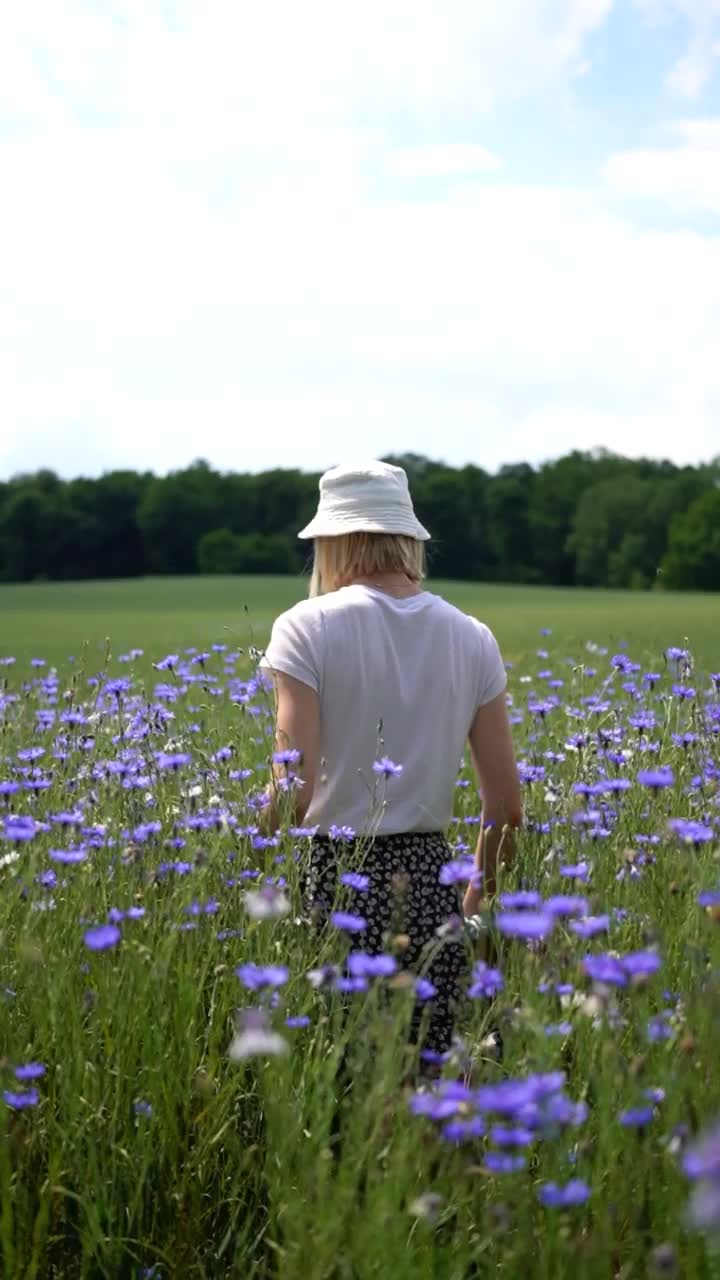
493,757
297,729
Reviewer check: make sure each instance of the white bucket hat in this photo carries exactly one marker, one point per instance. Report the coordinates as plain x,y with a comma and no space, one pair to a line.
372,497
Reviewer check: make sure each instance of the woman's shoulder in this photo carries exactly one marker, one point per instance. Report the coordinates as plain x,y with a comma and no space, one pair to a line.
303,614
466,621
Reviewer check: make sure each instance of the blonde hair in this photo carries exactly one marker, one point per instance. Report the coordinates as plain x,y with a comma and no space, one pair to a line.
360,555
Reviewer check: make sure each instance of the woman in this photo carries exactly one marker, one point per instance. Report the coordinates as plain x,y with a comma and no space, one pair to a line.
380,686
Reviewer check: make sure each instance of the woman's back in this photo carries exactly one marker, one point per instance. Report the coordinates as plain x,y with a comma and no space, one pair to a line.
398,678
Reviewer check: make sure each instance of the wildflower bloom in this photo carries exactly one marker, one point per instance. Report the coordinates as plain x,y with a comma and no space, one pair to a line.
348,922
29,1071
590,926
523,899
656,779
386,769
20,1101
360,964
102,937
255,976
354,880
336,832
425,989
503,1162
636,1117
486,982
691,832
458,871
556,1196
525,924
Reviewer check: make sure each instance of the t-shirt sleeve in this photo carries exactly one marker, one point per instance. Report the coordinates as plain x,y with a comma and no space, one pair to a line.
294,650
492,676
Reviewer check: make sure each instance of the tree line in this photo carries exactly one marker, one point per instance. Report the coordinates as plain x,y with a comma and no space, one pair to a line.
586,519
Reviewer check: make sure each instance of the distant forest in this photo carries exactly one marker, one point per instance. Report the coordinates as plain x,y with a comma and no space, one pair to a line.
587,519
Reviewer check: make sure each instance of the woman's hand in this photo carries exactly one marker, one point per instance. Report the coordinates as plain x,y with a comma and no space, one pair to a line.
472,901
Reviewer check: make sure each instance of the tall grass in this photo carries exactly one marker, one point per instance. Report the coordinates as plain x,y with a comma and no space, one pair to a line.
152,1151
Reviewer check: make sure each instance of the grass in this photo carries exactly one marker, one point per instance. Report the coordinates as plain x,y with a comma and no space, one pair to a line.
142,1149
54,620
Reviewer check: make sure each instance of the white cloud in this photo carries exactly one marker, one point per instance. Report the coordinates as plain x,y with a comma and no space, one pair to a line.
686,174
199,256
694,68
245,68
445,160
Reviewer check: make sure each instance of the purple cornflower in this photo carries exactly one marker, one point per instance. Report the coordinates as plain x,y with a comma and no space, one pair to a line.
67,856
386,769
19,1101
29,1071
354,880
690,832
503,1162
464,1130
459,871
640,964
173,760
297,1020
486,982
360,964
606,969
659,1028
702,1160
709,898
590,926
656,779
102,937
255,976
433,1106
291,756
566,904
525,924
510,1097
555,1196
19,827
341,833
576,871
166,664
636,1117
506,1136
523,899
142,1108
424,989
348,922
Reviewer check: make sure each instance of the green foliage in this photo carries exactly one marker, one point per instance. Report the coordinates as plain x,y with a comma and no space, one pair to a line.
149,1147
222,551
77,617
592,519
693,557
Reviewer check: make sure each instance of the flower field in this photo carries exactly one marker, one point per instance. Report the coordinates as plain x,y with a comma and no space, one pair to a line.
194,1083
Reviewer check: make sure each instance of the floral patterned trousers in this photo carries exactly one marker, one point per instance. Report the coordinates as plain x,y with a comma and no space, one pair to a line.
405,906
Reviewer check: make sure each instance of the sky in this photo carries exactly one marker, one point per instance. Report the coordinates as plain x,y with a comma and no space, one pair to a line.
293,234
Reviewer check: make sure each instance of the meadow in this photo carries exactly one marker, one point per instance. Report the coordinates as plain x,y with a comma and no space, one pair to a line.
55,620
172,1030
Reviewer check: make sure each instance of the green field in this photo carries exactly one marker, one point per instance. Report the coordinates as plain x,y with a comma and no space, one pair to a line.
186,1088
160,615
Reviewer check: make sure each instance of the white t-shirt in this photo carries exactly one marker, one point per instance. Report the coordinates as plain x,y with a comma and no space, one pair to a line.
399,679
